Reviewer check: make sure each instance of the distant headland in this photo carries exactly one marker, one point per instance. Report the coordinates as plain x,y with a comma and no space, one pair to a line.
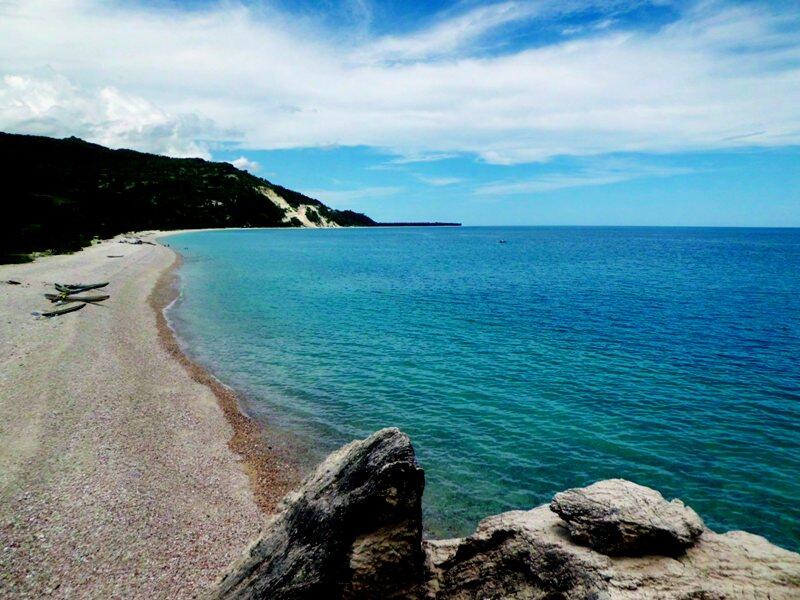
62,193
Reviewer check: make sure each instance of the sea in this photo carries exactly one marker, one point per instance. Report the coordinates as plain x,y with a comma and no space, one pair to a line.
521,360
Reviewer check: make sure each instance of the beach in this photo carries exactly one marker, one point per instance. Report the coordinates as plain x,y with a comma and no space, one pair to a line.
122,473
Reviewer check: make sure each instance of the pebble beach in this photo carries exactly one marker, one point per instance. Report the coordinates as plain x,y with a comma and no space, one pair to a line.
122,473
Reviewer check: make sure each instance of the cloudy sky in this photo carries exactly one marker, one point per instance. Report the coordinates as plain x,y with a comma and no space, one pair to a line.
517,112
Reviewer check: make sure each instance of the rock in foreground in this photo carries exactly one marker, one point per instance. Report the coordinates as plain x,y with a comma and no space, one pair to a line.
621,517
353,530
529,554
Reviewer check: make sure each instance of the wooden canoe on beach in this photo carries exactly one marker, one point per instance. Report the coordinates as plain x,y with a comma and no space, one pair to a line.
62,311
72,288
69,298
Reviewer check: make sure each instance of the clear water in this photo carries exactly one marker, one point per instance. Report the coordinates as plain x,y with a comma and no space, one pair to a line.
567,355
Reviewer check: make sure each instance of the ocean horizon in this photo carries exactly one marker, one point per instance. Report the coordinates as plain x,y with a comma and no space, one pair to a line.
562,356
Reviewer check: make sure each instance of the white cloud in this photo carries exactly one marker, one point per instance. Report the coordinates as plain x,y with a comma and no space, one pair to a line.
246,164
706,81
49,104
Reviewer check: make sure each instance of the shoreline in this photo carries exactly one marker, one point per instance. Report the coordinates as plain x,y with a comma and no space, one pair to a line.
272,475
125,469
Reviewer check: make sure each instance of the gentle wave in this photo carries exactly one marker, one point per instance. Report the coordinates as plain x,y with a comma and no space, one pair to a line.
566,355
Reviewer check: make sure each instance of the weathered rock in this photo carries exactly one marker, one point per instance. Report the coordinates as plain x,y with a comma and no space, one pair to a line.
352,530
620,517
523,555
515,555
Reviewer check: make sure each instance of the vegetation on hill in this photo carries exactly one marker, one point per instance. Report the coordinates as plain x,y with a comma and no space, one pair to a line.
59,194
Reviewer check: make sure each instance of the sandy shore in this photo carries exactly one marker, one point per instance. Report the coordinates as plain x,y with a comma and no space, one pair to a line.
120,475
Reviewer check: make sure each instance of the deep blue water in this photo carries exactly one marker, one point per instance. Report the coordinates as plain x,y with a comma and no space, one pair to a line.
668,356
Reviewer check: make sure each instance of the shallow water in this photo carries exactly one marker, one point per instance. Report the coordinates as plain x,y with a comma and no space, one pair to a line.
566,355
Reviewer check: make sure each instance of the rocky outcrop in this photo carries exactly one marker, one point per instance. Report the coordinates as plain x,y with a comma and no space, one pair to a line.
530,554
353,530
621,517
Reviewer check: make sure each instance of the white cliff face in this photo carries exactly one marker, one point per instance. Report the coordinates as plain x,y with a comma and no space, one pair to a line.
306,214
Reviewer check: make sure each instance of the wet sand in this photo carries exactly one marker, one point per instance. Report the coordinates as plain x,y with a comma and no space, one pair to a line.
125,469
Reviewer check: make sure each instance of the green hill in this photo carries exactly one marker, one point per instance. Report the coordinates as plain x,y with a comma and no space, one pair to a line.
59,194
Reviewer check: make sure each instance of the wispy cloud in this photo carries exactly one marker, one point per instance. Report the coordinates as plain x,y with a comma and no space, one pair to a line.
600,175
452,34
422,158
596,26
351,197
401,163
439,181
174,81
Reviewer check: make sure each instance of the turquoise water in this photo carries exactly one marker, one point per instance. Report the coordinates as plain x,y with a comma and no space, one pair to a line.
567,355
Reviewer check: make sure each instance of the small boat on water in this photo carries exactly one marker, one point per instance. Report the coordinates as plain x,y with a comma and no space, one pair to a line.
501,241
61,311
72,288
68,298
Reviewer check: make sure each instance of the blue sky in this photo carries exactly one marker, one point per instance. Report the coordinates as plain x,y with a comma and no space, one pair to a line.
512,112
750,187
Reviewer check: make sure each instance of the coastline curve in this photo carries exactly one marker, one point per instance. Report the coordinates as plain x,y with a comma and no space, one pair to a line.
270,471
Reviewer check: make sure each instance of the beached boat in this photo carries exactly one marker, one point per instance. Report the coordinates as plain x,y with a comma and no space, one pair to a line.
69,298
71,288
62,311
